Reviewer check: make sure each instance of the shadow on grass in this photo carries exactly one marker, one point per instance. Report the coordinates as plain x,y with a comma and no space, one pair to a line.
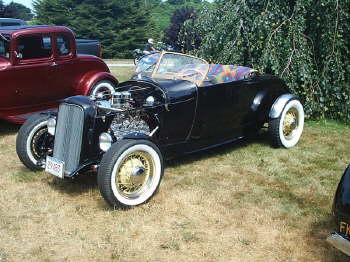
82,184
74,187
262,138
88,181
318,234
7,128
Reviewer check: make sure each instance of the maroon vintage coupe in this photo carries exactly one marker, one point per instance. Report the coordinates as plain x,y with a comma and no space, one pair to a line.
39,66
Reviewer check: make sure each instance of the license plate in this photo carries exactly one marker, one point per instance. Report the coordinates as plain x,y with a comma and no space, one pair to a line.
344,228
54,167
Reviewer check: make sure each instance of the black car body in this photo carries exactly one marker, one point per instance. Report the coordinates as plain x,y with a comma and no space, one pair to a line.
179,104
341,212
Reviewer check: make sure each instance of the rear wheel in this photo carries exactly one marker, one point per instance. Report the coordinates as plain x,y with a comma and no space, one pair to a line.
130,173
285,131
34,143
102,87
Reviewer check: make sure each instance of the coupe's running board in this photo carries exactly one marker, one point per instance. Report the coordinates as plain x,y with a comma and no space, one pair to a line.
19,119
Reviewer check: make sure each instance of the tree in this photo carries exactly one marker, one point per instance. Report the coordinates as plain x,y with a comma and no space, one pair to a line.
179,17
20,11
15,10
120,25
307,45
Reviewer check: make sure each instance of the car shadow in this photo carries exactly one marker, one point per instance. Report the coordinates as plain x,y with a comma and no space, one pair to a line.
87,182
7,128
318,232
261,138
75,186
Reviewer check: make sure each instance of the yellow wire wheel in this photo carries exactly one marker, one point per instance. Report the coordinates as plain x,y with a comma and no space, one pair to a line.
290,123
286,130
135,174
130,172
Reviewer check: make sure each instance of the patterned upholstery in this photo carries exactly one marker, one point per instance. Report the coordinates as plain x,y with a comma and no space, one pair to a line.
195,68
219,74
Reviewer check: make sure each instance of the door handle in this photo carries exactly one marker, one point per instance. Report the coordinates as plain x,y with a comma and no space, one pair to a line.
54,64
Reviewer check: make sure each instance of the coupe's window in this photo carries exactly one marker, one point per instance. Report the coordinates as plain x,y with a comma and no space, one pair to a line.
4,47
30,47
63,45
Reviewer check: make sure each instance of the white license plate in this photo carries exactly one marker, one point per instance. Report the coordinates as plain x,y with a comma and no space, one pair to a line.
54,167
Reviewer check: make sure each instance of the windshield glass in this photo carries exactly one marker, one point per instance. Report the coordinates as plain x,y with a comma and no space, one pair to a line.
4,47
147,64
173,65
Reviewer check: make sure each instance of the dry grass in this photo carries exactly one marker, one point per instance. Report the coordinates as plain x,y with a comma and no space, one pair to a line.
241,202
122,73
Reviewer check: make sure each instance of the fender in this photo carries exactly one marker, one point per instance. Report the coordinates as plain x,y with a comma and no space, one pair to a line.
279,104
341,200
90,79
137,136
50,113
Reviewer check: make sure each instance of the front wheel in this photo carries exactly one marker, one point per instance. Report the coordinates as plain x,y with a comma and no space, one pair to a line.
285,131
130,173
34,142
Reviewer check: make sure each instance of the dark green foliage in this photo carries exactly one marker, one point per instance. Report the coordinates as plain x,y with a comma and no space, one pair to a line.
15,10
306,42
179,17
120,25
162,11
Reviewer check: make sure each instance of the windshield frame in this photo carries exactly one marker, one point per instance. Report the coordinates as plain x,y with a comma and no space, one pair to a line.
175,76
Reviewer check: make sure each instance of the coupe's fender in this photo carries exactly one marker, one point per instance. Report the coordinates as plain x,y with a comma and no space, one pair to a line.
279,105
342,198
90,79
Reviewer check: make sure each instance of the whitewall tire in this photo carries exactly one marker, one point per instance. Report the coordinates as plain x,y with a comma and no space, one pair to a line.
130,173
285,131
33,142
103,86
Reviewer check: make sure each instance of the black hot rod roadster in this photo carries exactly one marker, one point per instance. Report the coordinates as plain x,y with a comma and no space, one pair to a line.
174,104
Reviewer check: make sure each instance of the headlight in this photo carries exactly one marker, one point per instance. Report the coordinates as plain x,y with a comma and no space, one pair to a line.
51,126
106,141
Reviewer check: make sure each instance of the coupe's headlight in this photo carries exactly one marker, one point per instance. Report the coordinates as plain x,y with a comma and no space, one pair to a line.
51,126
106,141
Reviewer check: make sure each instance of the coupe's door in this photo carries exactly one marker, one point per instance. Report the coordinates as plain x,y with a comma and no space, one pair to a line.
32,61
62,73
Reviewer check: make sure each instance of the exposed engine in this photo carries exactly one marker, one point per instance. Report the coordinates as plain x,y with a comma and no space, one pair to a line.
134,98
127,105
131,122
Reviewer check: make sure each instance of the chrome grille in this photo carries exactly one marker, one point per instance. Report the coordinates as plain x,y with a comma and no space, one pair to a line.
68,136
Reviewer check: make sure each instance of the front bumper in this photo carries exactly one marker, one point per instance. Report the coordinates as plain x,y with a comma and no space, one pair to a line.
339,242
